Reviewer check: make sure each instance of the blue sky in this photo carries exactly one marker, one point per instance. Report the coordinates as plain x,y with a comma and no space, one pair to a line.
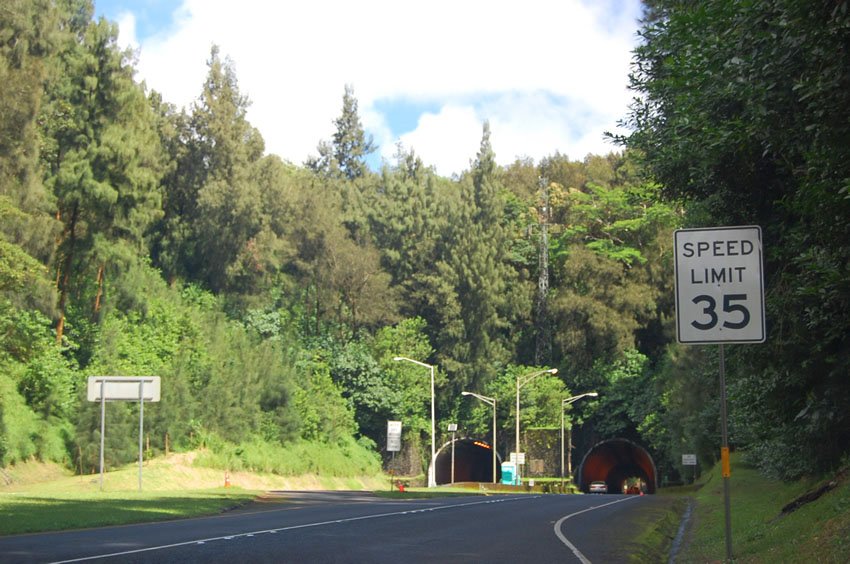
549,75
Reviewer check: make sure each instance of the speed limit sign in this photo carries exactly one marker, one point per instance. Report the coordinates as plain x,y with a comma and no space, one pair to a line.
719,288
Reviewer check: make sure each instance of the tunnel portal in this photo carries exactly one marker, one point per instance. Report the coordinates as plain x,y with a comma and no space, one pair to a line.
615,460
473,462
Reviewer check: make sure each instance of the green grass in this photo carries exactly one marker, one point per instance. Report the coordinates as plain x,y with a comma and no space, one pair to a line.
32,512
44,497
816,532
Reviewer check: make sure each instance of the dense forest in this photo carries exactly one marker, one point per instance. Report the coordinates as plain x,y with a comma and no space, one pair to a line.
137,238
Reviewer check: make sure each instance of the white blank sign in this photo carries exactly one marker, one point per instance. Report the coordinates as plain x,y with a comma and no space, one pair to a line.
123,388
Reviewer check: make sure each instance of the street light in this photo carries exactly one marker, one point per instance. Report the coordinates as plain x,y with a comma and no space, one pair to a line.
453,430
490,401
520,382
431,478
564,404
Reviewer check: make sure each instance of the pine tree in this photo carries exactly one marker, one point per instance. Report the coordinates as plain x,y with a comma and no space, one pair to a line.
225,147
100,152
473,338
345,156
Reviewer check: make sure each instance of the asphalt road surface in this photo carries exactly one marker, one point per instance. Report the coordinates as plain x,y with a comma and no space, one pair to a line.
317,527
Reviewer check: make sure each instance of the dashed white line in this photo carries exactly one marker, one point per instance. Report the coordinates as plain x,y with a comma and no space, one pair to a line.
281,529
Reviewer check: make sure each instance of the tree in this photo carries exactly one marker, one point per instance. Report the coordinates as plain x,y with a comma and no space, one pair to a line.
228,201
736,117
345,156
100,154
472,339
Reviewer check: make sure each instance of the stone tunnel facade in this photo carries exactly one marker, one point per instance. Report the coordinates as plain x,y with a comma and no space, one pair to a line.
473,462
615,460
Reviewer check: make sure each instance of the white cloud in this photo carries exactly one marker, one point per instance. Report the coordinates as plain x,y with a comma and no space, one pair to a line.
448,140
549,75
127,31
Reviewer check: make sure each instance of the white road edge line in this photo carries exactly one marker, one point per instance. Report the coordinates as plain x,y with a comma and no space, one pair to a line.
292,528
564,539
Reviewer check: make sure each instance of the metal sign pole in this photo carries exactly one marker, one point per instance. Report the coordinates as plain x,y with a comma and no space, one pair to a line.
724,455
720,299
453,457
102,427
141,426
122,388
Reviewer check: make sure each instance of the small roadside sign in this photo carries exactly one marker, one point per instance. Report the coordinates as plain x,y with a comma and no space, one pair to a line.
123,388
689,460
517,457
393,436
719,285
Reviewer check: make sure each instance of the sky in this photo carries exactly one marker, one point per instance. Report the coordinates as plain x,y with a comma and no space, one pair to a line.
549,75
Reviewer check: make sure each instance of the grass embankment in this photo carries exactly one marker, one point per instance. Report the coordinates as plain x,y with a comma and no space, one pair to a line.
816,531
39,497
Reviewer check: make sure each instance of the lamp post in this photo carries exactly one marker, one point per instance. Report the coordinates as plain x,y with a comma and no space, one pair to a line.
453,430
521,381
564,404
431,478
490,401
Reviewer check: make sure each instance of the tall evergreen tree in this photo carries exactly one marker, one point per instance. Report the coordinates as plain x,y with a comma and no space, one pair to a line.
228,204
345,156
472,341
26,227
100,152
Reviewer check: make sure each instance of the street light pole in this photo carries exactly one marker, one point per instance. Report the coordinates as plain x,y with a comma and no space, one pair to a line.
489,401
520,382
432,482
564,404
453,430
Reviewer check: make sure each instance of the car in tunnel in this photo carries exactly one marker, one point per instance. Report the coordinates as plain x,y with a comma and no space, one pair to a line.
598,487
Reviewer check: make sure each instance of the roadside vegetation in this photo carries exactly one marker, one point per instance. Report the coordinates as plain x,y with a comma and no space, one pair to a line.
807,520
274,299
46,497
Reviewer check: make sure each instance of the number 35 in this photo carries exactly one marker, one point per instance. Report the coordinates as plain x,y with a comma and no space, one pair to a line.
728,307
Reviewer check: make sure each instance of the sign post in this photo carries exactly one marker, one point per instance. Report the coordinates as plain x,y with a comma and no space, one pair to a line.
393,445
123,388
393,436
690,460
453,430
720,299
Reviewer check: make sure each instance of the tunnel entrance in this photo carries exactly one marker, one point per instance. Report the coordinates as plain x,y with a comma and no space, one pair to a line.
473,462
615,461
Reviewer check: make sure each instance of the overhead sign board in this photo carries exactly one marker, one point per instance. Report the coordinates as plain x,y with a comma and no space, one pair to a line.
123,388
393,436
719,285
689,460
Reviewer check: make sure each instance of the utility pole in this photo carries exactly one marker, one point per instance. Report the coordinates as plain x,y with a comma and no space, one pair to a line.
543,345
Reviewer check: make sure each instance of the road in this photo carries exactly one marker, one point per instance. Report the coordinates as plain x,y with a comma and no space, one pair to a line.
354,527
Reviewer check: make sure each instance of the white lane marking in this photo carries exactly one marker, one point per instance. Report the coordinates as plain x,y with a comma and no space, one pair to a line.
564,539
281,529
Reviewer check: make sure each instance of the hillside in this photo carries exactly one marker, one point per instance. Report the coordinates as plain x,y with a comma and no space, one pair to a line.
772,521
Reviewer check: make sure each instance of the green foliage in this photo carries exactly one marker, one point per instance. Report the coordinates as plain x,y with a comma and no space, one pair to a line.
272,298
736,117
627,397
50,385
476,312
345,156
18,424
323,414
540,401
597,307
345,458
